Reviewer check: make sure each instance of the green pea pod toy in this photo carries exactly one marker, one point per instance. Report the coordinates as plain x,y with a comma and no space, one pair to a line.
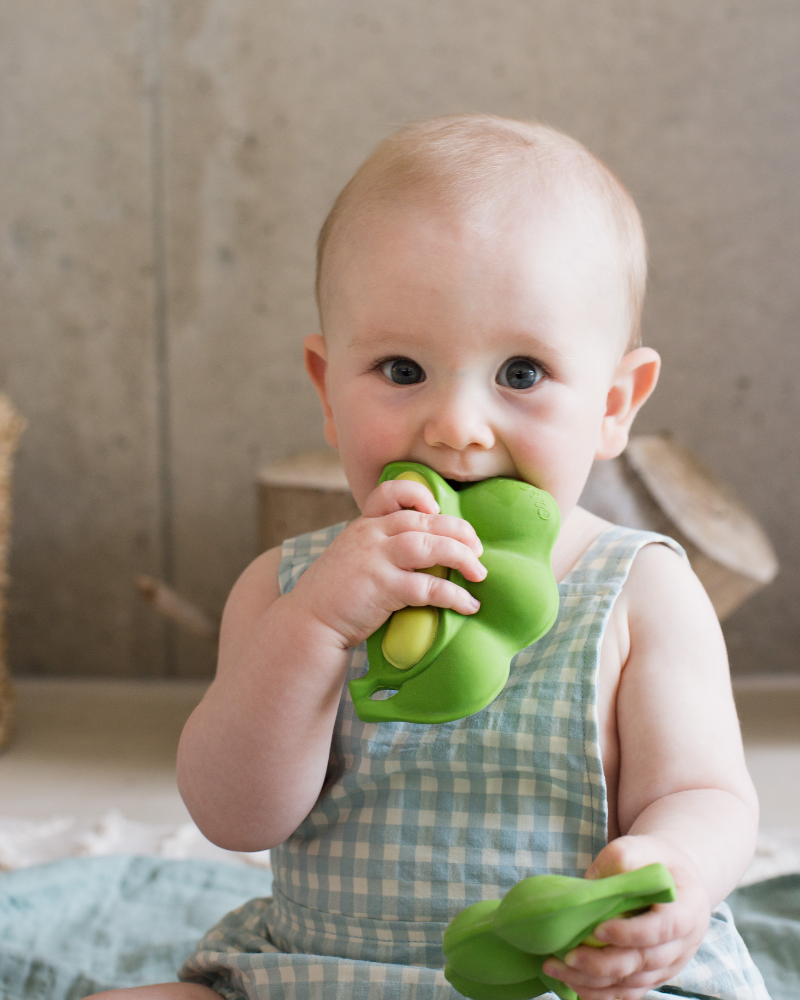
495,949
443,665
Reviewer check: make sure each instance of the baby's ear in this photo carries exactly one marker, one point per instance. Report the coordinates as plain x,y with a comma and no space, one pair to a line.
634,380
315,355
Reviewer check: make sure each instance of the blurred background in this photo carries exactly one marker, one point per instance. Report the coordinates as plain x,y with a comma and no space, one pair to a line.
165,167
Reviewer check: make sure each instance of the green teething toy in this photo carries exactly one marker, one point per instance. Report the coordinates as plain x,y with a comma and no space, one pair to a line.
495,949
443,665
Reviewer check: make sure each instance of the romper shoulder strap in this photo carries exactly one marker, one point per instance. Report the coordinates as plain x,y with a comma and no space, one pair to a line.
608,560
297,554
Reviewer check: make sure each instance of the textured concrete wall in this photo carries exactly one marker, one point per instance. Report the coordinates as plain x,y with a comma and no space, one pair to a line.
166,167
77,333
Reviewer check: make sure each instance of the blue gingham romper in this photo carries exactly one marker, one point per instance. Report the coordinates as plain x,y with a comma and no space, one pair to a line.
416,822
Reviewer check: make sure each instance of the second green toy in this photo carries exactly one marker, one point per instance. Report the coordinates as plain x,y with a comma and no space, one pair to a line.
496,949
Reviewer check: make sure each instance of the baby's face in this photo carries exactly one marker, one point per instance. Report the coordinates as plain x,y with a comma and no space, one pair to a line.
479,350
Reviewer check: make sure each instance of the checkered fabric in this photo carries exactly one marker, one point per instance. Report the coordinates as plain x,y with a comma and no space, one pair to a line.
416,822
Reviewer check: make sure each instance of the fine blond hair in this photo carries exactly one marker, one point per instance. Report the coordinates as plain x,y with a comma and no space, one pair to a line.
471,161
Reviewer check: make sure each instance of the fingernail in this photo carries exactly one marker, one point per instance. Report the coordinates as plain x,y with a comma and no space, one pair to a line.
571,959
552,969
475,604
601,933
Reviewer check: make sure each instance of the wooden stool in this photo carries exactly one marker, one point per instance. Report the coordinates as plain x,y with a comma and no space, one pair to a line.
302,494
659,485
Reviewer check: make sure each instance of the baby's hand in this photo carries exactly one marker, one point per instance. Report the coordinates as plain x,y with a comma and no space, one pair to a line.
647,950
368,572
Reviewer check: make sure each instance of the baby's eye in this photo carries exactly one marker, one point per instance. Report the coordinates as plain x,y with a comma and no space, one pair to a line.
403,371
519,373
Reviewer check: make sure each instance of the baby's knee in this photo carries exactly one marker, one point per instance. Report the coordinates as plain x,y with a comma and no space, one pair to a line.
159,991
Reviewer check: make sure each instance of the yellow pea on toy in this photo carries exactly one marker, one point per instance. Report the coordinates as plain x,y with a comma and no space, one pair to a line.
411,631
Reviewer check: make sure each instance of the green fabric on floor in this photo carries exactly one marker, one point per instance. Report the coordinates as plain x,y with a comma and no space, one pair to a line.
77,926
768,917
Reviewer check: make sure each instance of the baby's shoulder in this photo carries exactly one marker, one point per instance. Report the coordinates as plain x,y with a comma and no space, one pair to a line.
662,611
651,561
272,574
666,627
256,589
661,583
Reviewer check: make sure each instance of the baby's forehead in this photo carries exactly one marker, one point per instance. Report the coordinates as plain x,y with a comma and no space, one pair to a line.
410,279
479,171
480,208
496,194
515,236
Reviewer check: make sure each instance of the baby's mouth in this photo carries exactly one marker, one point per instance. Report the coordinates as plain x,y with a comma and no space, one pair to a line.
458,482
462,484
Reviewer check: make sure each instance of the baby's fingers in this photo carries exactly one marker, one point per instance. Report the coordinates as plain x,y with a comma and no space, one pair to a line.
632,988
431,590
603,967
424,550
400,494
662,922
411,529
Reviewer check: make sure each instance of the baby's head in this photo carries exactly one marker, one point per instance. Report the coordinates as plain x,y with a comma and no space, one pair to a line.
482,168
480,284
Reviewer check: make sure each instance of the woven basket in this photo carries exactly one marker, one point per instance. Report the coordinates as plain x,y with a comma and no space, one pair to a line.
11,426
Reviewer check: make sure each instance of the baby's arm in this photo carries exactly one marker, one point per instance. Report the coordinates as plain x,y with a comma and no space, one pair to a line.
685,797
253,756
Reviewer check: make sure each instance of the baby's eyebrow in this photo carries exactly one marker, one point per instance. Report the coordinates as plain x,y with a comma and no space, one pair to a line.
519,343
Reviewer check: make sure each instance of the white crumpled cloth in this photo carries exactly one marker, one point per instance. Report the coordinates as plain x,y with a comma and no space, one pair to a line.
32,842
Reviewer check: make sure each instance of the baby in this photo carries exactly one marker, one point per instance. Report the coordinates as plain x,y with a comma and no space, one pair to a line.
480,286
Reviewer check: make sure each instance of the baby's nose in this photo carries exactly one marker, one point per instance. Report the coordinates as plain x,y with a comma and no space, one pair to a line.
459,421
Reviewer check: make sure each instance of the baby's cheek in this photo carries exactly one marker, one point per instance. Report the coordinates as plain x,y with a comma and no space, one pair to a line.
365,451
558,467
362,474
